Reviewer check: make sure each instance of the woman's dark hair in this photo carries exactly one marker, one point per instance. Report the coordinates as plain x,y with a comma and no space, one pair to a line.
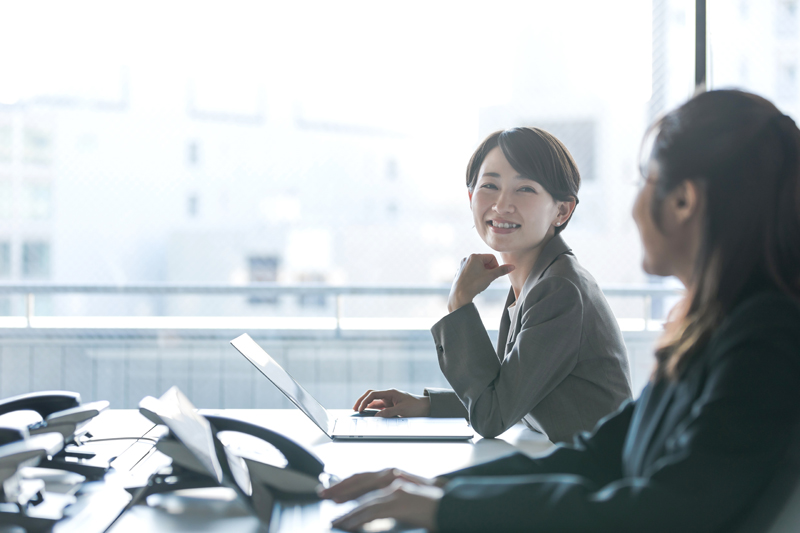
744,154
536,155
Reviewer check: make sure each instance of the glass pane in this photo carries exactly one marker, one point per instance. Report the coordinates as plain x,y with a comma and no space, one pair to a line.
322,144
755,46
336,142
35,260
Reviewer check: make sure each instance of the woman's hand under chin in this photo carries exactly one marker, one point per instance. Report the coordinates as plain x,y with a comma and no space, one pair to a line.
474,275
404,501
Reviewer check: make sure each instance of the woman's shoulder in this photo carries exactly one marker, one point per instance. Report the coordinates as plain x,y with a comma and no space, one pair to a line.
567,265
548,285
766,324
763,314
773,301
756,350
566,268
563,285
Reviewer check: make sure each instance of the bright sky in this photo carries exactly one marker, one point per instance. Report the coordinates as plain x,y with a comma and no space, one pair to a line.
374,61
424,68
417,67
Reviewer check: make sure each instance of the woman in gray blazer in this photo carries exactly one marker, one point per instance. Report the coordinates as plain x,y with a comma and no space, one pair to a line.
560,363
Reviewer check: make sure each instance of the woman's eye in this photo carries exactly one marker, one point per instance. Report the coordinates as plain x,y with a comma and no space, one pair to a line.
528,189
488,186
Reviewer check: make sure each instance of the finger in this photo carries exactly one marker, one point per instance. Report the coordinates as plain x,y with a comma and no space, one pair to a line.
354,519
343,489
417,480
363,514
390,412
377,404
365,400
359,484
360,399
384,395
385,503
356,490
500,271
489,261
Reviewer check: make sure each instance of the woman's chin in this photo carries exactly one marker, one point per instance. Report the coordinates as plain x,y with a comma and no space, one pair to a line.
494,245
653,269
500,249
506,245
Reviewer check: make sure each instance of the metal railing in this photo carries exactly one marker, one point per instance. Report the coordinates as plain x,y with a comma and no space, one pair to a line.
122,365
31,290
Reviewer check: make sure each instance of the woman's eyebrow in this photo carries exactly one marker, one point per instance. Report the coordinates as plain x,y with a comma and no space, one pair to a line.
497,175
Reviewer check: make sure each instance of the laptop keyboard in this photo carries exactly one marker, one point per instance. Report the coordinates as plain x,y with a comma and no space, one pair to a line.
372,422
376,425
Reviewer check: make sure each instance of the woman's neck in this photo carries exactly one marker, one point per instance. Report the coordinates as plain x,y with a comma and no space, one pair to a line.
523,263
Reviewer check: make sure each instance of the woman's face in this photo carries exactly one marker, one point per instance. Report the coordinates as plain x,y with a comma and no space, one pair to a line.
671,246
652,240
512,214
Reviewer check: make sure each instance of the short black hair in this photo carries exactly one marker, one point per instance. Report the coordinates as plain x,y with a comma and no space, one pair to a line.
536,155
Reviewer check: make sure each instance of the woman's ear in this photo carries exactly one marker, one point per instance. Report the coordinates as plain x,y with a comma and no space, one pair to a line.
685,200
565,210
469,192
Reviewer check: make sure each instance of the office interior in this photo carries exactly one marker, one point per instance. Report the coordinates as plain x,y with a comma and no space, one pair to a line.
175,175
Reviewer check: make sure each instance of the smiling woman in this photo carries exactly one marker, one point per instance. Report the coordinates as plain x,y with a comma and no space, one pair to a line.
712,442
511,203
560,363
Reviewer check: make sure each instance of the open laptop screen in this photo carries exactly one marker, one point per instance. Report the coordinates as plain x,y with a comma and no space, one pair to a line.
281,379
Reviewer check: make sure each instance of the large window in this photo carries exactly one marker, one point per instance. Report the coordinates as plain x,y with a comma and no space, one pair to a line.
352,120
320,144
5,259
755,46
35,260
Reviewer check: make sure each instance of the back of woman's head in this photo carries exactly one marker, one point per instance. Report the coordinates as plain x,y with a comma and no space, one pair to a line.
744,155
535,154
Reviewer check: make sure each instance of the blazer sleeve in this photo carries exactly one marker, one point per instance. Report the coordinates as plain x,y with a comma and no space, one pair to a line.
499,394
596,456
445,404
722,457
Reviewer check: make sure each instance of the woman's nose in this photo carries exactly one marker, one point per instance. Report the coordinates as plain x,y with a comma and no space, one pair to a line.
504,204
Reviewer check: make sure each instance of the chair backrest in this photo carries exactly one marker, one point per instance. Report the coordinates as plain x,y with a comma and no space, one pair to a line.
788,519
778,508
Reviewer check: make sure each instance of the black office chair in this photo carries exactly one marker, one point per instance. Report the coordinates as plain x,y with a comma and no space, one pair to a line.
778,508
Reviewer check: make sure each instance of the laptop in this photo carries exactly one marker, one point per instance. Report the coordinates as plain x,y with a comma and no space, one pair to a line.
350,427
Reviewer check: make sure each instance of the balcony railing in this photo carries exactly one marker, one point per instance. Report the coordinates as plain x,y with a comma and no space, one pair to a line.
338,321
335,355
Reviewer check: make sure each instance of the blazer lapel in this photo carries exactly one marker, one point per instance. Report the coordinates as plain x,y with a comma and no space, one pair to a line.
677,405
647,422
505,325
549,254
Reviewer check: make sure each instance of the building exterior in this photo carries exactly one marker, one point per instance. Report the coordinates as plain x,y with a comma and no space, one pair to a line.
186,176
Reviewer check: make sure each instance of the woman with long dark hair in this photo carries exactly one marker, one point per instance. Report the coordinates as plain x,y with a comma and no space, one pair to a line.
720,209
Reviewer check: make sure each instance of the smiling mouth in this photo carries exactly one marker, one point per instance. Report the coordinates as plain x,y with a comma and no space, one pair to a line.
504,225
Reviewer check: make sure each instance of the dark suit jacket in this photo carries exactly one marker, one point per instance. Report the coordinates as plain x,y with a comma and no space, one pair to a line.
688,455
561,369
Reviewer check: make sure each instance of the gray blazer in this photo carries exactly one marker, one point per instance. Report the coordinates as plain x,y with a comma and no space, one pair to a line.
561,369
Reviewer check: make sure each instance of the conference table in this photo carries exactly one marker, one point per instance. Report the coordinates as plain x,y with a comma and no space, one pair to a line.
129,437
